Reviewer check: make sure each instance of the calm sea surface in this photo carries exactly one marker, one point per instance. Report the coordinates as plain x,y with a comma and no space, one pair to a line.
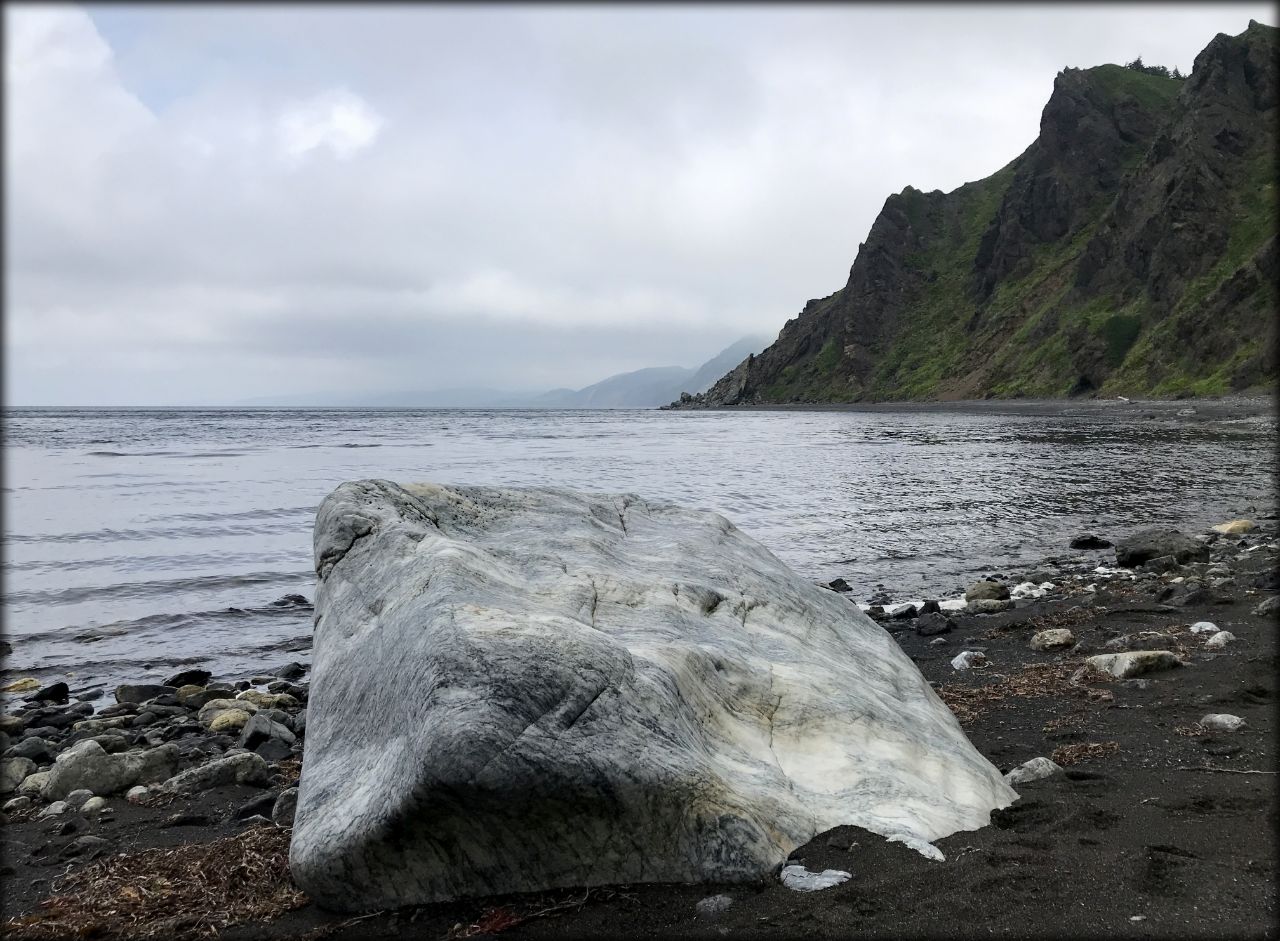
139,539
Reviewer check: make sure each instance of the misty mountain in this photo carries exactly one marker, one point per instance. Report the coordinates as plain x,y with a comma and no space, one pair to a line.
657,385
642,388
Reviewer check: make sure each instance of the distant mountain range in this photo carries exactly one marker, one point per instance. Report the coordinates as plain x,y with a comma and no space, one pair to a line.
643,388
1130,250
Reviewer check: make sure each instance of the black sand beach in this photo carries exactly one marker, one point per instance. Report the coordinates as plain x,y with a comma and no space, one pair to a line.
1155,827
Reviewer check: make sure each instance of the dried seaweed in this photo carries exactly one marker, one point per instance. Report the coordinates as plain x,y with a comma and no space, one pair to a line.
1074,754
1032,681
188,891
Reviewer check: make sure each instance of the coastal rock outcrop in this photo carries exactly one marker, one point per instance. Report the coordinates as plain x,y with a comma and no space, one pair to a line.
517,690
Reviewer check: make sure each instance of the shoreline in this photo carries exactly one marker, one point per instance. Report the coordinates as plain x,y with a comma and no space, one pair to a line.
1141,829
1194,409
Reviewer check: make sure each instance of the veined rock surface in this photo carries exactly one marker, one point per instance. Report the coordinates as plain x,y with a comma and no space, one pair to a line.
521,689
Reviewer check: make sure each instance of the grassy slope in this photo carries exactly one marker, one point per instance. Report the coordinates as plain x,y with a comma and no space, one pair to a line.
1023,341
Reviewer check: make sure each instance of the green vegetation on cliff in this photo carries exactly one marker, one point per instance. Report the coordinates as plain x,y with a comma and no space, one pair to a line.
1129,250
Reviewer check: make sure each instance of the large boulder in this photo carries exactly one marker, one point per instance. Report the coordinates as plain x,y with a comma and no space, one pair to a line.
519,690
1155,543
89,766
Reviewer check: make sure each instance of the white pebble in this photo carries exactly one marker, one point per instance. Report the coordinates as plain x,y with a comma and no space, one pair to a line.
799,879
1222,722
1204,627
967,659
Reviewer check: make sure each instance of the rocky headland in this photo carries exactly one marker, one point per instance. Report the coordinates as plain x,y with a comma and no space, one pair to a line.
1126,692
1129,250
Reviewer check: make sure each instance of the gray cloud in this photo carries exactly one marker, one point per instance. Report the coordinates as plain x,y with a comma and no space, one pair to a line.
216,203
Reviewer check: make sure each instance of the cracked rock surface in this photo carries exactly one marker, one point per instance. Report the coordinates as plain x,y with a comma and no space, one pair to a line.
522,689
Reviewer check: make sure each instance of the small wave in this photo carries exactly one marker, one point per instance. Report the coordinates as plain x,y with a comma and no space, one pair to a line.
151,588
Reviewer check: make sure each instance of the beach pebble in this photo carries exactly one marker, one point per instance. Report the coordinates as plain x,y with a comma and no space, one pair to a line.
242,768
189,678
141,692
229,720
1235,527
933,623
1222,722
267,700
799,879
54,809
14,804
967,659
1134,663
285,807
987,606
87,765
1089,541
986,591
939,642
1052,639
1032,770
93,805
1204,627
211,708
13,771
33,784
36,748
1268,607
77,798
135,795
1219,640
260,729
713,905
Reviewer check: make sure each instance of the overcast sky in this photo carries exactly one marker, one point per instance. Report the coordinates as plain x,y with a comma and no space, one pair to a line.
207,204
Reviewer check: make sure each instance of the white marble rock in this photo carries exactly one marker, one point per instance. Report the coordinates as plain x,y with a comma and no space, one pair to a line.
522,689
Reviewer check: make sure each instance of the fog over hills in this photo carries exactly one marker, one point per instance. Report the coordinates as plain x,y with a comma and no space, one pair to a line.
641,388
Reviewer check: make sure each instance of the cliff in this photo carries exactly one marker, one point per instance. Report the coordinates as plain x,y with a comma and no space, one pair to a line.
1129,250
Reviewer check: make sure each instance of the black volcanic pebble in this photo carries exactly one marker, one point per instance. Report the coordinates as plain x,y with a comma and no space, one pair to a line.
934,623
55,692
188,678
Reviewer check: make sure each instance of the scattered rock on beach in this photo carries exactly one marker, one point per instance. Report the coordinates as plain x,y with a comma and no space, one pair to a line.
229,721
283,809
987,606
1032,770
1156,542
968,659
88,765
1204,627
55,692
1219,640
188,678
1270,606
13,771
242,768
1090,541
927,625
209,711
799,879
713,905
986,591
141,692
1134,663
1222,722
1235,527
1052,639
614,664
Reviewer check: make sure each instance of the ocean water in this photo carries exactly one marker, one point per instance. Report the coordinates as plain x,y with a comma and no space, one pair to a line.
136,540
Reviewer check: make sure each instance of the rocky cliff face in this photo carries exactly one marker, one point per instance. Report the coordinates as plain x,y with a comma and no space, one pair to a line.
1129,250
